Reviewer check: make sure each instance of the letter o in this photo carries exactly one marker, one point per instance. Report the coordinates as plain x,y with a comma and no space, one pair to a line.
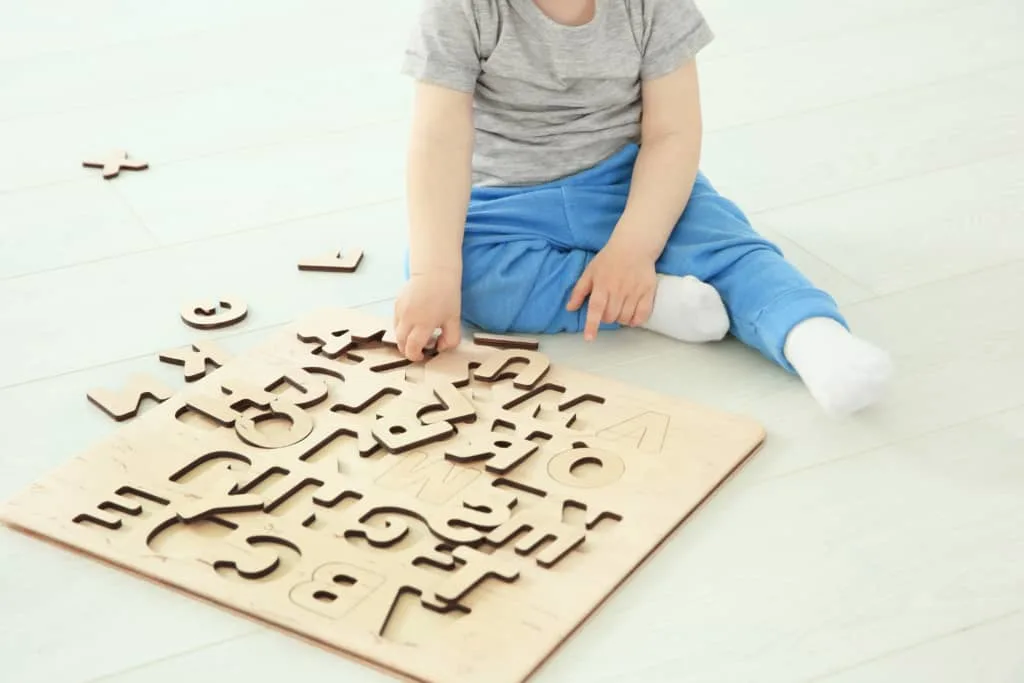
562,468
301,425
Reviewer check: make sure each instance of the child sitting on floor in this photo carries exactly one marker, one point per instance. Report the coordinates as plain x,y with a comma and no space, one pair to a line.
554,186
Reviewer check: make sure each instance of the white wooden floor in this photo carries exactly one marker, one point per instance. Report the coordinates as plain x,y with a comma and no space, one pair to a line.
881,142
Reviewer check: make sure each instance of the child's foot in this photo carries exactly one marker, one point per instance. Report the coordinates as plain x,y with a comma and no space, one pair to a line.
843,373
688,310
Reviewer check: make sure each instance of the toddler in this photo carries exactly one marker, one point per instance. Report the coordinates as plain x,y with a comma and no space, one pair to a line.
554,187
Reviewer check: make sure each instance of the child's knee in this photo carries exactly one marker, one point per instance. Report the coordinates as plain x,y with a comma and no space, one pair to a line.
505,312
520,288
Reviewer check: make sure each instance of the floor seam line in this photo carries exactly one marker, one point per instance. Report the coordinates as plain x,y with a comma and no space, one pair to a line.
199,240
158,660
887,444
966,75
938,637
760,212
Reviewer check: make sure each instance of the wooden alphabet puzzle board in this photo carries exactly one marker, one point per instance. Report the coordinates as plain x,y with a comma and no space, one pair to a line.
451,521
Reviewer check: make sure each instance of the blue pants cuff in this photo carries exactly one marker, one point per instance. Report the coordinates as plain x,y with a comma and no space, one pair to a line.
784,313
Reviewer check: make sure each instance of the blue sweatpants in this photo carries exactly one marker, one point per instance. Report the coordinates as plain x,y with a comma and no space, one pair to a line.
526,247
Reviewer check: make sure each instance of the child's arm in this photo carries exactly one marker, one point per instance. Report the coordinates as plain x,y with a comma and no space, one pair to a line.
621,280
438,185
439,180
666,167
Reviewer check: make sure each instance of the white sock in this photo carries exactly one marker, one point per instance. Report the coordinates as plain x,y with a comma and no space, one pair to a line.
843,373
688,310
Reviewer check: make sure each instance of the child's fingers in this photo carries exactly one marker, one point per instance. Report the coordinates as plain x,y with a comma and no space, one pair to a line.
451,333
401,334
416,341
644,308
580,291
595,311
613,308
628,310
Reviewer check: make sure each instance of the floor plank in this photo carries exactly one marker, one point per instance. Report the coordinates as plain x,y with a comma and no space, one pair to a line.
174,127
743,27
973,653
362,37
794,159
921,229
55,226
794,77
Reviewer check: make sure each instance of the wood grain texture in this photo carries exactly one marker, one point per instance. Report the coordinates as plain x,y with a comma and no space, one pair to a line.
310,493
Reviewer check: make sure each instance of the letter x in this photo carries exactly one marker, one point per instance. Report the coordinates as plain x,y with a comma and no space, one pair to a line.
114,163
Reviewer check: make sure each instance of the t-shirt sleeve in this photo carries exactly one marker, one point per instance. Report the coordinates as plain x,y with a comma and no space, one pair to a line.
674,31
444,46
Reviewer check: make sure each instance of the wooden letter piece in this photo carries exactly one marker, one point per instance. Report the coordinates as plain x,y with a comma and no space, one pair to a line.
475,567
334,340
364,587
215,496
205,508
548,412
361,390
125,403
306,388
502,451
493,368
334,262
466,520
206,316
195,358
399,433
335,589
113,164
235,398
300,425
501,341
248,556
119,502
454,407
311,486
543,522
562,467
376,357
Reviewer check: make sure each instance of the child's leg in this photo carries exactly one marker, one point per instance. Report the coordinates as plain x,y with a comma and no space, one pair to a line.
713,241
767,298
525,249
520,267
773,306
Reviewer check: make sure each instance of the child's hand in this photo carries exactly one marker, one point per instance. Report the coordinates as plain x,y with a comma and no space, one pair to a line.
428,302
620,281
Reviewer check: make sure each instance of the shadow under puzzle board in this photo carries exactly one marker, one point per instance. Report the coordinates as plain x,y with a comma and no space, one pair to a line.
451,521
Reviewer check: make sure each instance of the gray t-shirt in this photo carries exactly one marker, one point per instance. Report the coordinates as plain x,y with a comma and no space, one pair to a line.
551,100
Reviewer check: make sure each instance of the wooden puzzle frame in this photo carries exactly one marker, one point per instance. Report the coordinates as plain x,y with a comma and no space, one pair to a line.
450,521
